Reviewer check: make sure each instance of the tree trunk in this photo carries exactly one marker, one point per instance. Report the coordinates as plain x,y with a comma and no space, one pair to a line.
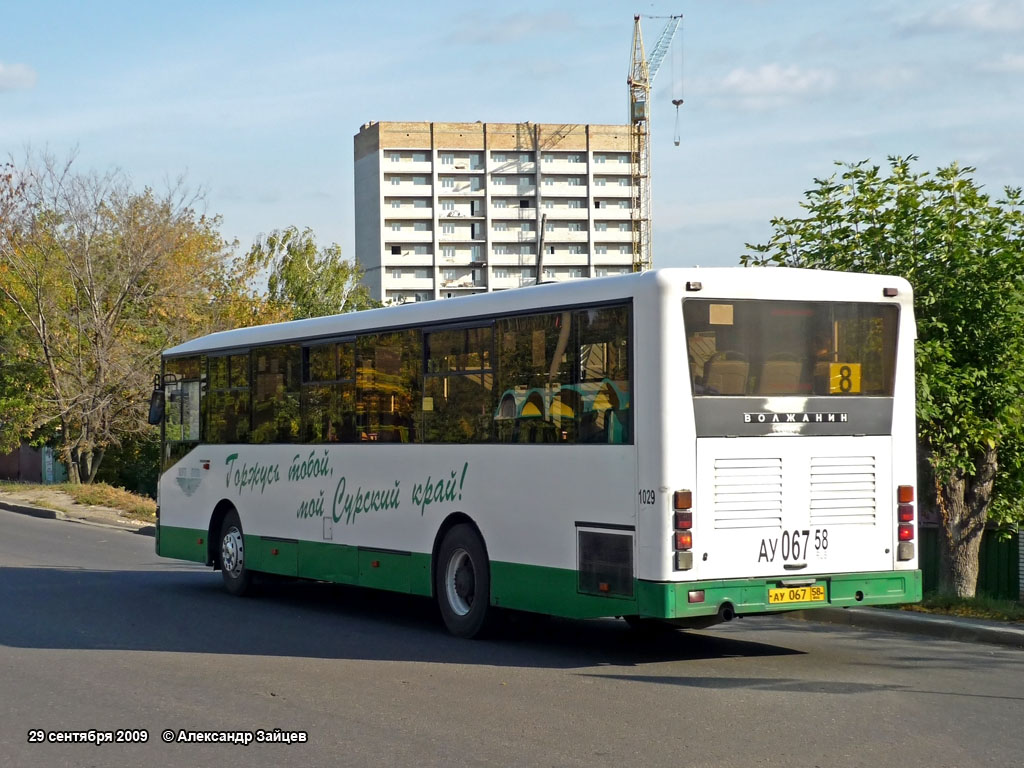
963,502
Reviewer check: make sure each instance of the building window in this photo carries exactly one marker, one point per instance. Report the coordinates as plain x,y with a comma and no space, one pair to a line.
449,274
600,226
526,250
549,226
551,250
600,249
395,157
396,226
419,203
624,226
500,203
575,272
396,250
625,250
448,252
524,203
547,157
600,204
474,183
575,250
396,203
500,250
529,272
420,226
396,274
549,274
575,181
599,181
601,272
500,226
599,158
395,181
549,204
501,274
623,203
574,158
447,158
448,228
574,203
524,181
575,226
420,249
448,182
420,180
548,181
624,181
498,157
525,227
624,159
447,205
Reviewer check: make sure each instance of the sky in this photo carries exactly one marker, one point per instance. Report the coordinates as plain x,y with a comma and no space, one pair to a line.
257,103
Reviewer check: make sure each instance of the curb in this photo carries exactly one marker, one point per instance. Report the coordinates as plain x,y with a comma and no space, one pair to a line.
53,514
942,627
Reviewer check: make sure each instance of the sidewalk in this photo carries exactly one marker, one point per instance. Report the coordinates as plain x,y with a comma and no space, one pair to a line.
68,510
943,627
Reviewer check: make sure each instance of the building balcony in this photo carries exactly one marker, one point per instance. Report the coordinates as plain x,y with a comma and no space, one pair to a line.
513,260
407,236
561,212
406,189
409,259
405,166
512,236
512,213
561,235
563,167
613,213
513,166
563,190
406,213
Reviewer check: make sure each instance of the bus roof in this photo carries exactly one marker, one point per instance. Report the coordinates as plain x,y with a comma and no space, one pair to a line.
732,282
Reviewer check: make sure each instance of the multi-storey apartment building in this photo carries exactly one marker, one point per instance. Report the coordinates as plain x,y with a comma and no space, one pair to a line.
446,209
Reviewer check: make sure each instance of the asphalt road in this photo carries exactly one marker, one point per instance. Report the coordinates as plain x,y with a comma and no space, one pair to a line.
96,632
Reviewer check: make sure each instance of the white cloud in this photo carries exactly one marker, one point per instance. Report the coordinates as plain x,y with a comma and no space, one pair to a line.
773,84
982,15
1008,63
16,76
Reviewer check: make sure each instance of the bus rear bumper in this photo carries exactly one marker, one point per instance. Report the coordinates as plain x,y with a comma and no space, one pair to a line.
749,597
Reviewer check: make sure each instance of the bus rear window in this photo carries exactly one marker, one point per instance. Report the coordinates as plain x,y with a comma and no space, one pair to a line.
789,348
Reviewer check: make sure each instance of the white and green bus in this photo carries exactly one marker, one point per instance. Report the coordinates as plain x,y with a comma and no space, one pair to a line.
681,446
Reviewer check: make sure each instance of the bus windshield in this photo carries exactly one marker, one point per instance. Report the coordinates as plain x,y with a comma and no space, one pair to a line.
790,348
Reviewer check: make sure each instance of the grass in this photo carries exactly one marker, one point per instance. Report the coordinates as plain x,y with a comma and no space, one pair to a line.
974,608
102,495
129,504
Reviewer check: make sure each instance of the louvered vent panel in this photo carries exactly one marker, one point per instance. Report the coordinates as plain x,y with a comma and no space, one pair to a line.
748,493
843,490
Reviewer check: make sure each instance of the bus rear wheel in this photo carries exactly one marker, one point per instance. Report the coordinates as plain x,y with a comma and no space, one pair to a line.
463,582
237,578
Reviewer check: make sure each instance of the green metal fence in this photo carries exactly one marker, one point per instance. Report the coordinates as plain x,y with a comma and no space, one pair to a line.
998,563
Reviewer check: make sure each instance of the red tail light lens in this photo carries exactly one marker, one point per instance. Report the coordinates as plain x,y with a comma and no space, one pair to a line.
905,513
906,532
684,521
684,540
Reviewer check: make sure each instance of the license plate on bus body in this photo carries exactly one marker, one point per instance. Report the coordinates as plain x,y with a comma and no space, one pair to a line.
812,594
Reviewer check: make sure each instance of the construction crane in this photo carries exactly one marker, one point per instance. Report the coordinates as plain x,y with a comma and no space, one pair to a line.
641,75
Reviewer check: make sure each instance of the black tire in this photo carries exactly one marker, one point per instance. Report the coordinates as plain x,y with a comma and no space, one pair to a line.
231,556
462,582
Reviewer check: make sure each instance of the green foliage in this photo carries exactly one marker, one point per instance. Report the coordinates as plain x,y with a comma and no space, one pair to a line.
134,464
307,280
964,255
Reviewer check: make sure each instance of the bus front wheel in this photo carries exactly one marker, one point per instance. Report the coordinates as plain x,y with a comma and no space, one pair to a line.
463,582
237,578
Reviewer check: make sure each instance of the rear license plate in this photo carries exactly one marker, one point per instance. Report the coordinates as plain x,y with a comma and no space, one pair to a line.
812,594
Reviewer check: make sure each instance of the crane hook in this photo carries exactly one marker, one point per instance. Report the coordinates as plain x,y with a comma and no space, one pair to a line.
675,137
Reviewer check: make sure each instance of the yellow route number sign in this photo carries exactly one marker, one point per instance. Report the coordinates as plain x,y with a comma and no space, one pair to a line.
844,378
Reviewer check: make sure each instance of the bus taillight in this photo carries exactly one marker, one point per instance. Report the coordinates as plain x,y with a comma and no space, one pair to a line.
682,536
905,522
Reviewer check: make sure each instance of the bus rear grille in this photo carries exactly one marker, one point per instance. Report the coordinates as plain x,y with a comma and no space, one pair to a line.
843,490
748,493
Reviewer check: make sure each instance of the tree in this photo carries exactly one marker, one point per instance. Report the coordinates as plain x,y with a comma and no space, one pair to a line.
100,278
964,255
305,280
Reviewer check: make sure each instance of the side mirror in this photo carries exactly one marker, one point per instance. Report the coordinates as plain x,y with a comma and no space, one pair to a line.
156,404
